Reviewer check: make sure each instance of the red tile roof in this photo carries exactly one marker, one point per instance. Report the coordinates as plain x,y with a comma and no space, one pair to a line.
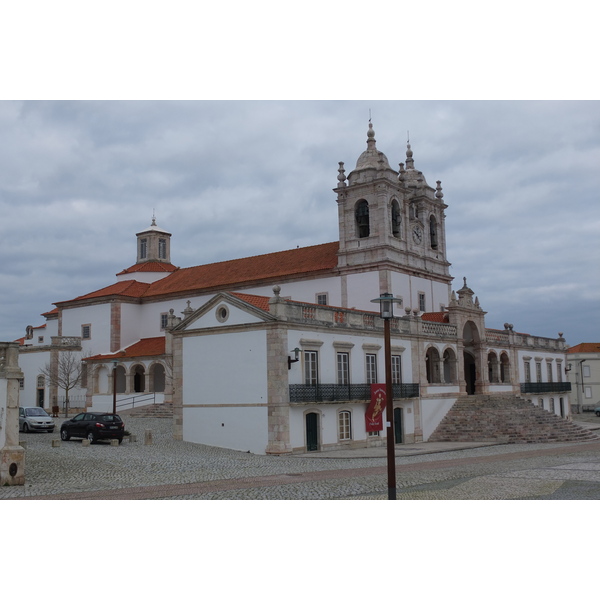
223,275
129,288
150,267
585,347
145,347
254,269
261,302
435,317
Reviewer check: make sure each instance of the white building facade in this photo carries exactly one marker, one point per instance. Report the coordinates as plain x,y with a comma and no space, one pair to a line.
224,366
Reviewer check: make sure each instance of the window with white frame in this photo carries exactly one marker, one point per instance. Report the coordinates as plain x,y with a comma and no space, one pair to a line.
143,248
86,331
549,369
538,372
344,425
527,366
21,384
371,366
322,298
396,368
311,375
541,403
162,248
586,371
343,368
588,391
559,372
422,302
164,320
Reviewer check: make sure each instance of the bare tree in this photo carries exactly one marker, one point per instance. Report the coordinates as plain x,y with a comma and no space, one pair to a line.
67,375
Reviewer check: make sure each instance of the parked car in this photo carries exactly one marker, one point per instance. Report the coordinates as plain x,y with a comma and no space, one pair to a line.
93,426
35,418
597,411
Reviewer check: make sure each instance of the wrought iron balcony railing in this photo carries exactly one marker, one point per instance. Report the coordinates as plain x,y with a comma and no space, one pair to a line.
331,392
545,388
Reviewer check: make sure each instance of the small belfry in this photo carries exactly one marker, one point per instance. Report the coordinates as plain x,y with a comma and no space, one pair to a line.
153,244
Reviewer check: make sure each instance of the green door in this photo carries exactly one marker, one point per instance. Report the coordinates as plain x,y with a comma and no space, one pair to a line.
398,425
312,432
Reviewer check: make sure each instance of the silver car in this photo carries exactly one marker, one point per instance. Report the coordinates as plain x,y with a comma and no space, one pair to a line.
35,419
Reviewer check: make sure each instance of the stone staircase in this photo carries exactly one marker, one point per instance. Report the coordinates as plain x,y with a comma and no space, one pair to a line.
155,411
507,419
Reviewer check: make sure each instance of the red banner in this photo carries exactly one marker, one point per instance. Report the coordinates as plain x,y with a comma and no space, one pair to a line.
374,414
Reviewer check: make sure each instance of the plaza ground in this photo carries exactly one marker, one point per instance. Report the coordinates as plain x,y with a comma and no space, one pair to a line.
170,469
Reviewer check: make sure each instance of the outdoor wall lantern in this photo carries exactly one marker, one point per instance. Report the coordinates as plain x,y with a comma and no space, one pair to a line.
296,358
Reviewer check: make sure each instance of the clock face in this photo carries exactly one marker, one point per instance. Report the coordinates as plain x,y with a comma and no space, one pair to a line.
417,234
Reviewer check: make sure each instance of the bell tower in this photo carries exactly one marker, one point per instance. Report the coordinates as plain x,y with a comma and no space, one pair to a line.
153,244
390,220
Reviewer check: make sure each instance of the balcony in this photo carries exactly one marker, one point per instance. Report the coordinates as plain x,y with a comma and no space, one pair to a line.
331,392
545,388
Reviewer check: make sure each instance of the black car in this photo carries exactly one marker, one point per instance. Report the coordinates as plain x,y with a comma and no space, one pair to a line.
93,426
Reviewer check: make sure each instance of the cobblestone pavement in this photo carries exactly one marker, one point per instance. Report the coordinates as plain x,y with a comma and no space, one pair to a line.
169,469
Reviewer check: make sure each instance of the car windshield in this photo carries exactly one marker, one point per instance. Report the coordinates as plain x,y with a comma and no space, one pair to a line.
110,418
36,412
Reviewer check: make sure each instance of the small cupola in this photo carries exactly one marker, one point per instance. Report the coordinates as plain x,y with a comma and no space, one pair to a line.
153,244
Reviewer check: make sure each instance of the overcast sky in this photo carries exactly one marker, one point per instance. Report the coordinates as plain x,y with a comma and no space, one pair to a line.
231,179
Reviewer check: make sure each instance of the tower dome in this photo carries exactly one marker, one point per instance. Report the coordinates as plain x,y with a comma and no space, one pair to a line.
372,158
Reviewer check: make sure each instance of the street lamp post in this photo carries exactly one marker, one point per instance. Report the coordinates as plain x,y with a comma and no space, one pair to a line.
114,362
386,312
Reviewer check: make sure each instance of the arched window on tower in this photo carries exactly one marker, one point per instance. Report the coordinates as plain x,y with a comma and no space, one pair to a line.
362,219
396,219
433,236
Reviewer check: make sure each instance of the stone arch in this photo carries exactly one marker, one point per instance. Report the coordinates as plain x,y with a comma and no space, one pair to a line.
361,216
157,377
121,376
493,367
432,365
504,368
470,371
396,217
471,335
433,232
449,366
101,380
138,378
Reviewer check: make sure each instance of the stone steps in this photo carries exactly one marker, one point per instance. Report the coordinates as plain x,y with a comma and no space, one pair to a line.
507,419
156,411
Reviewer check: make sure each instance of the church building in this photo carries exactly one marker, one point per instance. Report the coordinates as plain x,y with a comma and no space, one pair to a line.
278,353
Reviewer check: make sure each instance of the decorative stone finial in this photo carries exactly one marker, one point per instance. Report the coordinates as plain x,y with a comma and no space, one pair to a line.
410,163
276,290
188,310
438,190
341,175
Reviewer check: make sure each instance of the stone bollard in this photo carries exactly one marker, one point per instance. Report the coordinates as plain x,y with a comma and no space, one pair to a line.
56,443
148,437
132,438
85,442
114,442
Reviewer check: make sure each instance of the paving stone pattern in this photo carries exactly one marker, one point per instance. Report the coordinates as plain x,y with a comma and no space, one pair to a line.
170,469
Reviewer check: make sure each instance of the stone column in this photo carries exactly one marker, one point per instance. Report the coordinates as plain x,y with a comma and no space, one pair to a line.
176,345
278,410
12,456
